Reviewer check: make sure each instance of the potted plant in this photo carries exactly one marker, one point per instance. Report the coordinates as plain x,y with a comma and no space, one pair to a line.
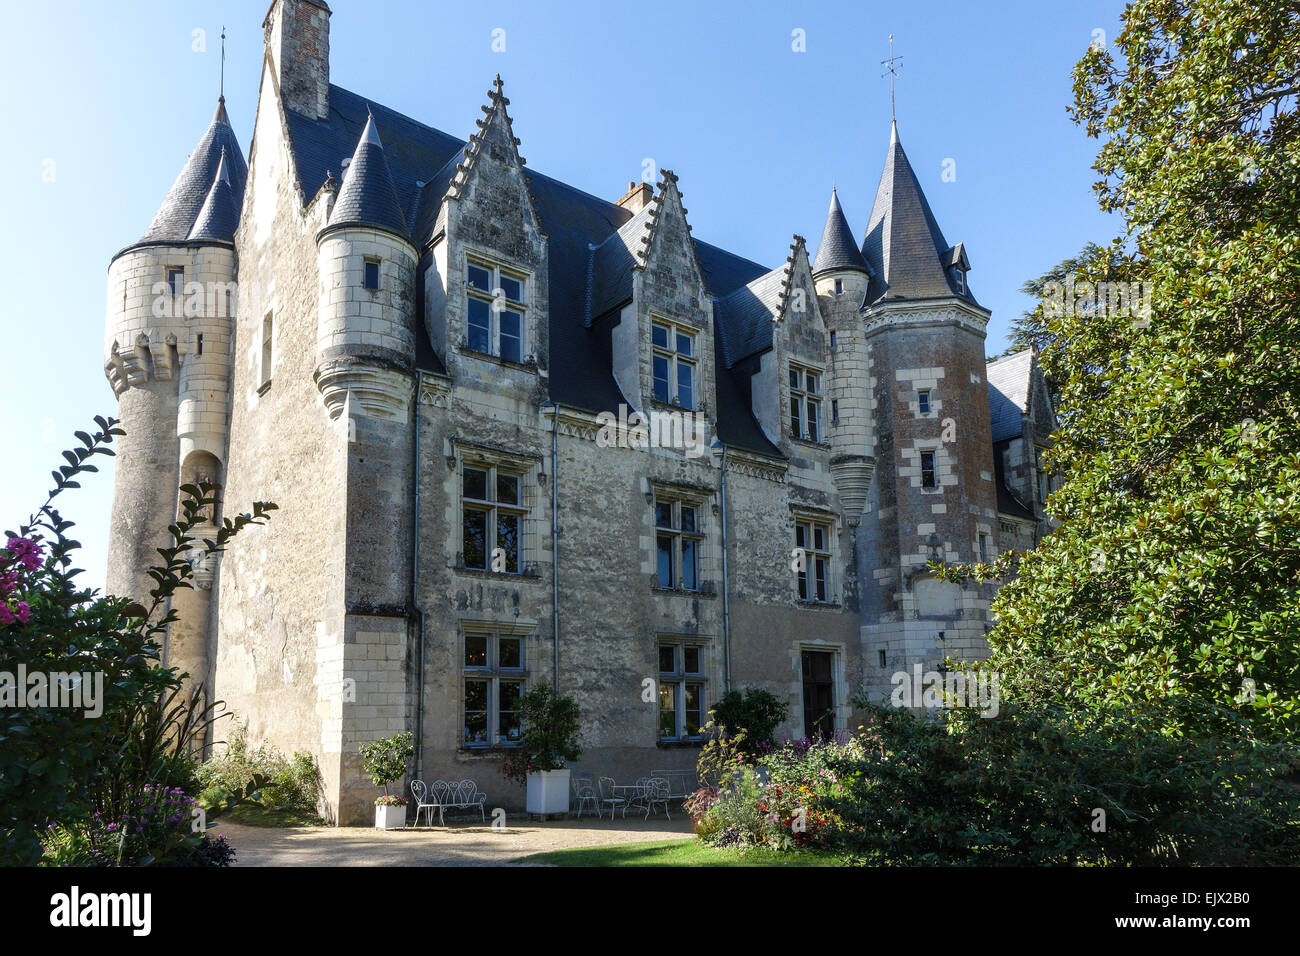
384,762
549,740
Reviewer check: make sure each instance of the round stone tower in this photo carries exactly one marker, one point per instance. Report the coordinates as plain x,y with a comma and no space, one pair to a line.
841,277
170,318
365,341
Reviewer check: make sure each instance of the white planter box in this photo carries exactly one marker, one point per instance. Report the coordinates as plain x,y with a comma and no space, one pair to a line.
390,818
548,791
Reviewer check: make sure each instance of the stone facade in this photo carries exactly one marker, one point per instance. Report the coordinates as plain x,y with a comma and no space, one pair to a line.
455,523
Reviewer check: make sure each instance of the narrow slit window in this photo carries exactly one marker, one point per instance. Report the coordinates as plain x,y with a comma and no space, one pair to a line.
268,337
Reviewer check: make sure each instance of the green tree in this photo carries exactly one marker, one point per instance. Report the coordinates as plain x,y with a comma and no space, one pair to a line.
384,760
552,733
1175,573
1031,328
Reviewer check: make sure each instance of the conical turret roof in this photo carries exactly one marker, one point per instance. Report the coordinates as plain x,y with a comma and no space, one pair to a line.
904,245
219,217
180,210
368,196
837,250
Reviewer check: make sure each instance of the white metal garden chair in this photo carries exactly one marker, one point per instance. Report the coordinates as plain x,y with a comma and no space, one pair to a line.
420,791
657,794
584,793
640,797
609,798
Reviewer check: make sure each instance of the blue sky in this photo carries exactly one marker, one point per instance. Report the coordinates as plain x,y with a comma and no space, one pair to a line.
101,104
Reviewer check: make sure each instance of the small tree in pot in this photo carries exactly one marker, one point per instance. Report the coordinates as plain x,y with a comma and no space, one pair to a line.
550,739
384,762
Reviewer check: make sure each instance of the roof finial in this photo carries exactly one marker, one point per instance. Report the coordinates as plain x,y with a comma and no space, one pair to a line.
893,72
222,89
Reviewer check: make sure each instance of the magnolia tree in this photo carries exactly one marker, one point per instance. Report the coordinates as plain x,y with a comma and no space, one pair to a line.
90,721
1173,581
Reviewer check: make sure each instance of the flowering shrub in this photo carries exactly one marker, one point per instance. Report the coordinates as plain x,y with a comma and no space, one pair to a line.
794,817
390,800
1021,789
61,765
157,827
20,558
787,804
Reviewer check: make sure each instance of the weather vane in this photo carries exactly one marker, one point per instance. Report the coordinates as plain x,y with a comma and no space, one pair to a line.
223,61
892,70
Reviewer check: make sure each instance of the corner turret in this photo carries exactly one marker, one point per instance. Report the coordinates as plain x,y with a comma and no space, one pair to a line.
168,330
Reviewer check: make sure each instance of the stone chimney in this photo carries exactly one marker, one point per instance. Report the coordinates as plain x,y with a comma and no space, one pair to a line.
637,197
297,38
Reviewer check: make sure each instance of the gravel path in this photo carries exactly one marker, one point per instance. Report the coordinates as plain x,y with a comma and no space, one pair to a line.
459,844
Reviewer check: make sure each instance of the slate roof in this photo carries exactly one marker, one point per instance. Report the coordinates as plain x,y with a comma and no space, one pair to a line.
219,217
176,217
368,196
904,245
612,263
1009,502
744,317
837,250
1009,382
422,161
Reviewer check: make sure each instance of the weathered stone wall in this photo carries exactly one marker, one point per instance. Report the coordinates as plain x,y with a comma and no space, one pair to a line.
281,587
172,403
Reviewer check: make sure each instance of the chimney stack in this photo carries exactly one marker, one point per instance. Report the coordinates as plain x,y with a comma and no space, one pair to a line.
637,197
297,37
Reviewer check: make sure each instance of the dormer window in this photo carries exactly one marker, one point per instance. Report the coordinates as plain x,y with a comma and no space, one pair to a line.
673,364
959,279
494,311
805,403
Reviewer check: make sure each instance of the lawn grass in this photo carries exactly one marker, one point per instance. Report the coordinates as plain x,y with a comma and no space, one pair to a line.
688,852
254,814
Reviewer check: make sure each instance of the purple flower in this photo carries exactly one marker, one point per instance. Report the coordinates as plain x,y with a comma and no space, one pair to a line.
26,551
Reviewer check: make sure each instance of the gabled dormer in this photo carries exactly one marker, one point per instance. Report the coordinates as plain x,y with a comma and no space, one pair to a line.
646,282
774,331
486,292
